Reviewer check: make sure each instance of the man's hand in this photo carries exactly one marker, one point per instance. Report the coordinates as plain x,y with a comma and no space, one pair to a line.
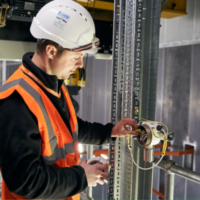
121,130
95,173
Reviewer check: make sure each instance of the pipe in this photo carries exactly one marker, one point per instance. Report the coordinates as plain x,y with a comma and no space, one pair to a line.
169,186
149,155
185,173
89,155
170,167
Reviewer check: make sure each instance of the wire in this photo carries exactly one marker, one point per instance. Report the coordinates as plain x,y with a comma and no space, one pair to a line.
142,167
164,149
137,110
140,131
164,145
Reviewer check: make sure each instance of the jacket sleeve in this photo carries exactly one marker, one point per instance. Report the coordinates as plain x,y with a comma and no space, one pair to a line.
94,133
23,169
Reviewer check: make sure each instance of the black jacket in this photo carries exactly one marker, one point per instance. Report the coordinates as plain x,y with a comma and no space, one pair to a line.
22,168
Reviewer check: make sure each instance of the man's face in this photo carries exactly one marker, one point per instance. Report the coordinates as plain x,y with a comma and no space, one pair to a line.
66,63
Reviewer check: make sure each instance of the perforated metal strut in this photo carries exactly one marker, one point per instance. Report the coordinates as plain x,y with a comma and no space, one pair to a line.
127,38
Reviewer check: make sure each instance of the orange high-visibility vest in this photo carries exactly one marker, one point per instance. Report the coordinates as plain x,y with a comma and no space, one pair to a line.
59,146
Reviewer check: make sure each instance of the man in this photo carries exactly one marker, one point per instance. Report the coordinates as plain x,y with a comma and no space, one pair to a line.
39,157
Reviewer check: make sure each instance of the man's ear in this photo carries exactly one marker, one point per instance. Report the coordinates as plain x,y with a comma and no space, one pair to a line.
51,51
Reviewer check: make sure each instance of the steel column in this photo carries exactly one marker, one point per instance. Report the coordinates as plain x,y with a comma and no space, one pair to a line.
169,186
148,87
124,80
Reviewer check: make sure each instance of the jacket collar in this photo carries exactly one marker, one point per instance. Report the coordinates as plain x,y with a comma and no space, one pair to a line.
50,81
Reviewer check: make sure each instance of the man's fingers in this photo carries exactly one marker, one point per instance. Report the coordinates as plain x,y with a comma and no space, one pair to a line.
130,122
133,133
104,175
94,185
104,167
83,161
100,181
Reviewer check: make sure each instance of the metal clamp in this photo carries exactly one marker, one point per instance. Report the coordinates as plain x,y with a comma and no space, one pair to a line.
3,14
168,165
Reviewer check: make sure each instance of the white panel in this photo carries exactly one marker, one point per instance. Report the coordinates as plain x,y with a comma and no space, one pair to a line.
197,20
12,50
187,22
95,98
163,23
172,33
183,30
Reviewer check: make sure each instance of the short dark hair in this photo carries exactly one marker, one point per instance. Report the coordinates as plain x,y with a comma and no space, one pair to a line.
41,46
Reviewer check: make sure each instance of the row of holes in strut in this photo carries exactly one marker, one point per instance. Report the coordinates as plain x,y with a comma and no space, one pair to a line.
116,56
118,174
138,49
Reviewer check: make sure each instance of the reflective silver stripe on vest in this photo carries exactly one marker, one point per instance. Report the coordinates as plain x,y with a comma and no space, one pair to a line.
58,153
61,152
75,136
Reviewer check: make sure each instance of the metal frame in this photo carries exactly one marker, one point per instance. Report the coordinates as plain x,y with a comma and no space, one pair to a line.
148,87
129,60
126,79
135,62
115,150
172,169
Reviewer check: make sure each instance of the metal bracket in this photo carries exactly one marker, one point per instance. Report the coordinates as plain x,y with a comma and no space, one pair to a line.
3,14
168,165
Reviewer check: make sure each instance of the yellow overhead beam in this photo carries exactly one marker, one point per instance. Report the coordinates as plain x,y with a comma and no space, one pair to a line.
174,8
103,5
167,13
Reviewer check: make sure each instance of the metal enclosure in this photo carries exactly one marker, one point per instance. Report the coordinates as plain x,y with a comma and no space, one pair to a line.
135,57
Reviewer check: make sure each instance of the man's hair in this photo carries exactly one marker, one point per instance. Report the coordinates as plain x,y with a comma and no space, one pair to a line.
42,44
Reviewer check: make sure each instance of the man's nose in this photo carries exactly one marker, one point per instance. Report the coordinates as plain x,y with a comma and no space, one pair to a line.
80,63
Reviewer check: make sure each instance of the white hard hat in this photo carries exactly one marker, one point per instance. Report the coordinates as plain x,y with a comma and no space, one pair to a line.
67,23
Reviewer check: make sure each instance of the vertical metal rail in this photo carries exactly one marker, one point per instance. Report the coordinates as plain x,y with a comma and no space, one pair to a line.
169,186
131,84
149,65
115,152
136,151
126,80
